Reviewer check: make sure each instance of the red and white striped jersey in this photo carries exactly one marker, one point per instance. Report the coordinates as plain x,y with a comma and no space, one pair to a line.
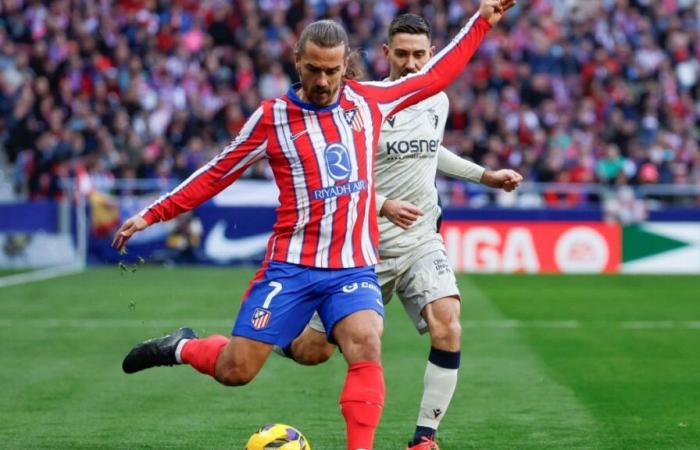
323,161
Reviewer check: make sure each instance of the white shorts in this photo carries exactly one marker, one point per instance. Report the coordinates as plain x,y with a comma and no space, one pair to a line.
419,277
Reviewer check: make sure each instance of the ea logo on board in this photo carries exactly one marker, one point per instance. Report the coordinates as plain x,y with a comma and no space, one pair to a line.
338,161
582,250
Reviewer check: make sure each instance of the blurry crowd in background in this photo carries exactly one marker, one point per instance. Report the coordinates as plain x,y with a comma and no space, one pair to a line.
595,91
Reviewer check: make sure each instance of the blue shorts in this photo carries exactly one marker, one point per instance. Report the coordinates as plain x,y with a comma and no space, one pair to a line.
284,297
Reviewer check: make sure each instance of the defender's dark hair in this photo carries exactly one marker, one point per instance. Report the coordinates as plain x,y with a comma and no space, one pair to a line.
330,34
409,24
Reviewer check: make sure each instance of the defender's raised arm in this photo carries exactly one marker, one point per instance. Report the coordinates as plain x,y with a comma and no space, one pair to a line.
443,69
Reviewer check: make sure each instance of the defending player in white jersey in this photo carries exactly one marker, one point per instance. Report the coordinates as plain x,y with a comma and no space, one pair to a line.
414,261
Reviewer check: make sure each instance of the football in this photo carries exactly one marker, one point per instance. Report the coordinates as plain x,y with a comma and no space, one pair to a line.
277,436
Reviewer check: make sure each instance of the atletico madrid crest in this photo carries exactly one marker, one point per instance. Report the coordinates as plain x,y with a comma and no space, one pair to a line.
261,318
354,118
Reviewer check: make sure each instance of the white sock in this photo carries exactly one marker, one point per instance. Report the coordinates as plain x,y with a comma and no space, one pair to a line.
178,350
439,385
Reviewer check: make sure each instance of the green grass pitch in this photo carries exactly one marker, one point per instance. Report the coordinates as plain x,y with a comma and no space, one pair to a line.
548,362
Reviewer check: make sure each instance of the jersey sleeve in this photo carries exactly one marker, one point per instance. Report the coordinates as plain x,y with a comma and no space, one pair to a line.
460,168
379,200
441,70
248,147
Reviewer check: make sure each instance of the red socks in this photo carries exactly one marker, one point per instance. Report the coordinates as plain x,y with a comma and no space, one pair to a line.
203,353
361,403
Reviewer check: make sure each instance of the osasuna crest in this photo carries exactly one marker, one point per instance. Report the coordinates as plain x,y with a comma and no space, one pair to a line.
434,118
354,118
261,318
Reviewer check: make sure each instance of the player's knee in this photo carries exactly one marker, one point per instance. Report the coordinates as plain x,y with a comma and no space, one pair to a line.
364,345
454,329
448,330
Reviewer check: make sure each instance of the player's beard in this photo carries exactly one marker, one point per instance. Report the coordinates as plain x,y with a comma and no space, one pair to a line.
321,91
314,94
317,94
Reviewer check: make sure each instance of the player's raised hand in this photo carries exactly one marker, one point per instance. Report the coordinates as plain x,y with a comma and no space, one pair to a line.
494,10
129,228
400,213
505,179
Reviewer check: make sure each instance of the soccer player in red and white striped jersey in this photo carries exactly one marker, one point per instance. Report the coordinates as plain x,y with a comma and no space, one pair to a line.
320,140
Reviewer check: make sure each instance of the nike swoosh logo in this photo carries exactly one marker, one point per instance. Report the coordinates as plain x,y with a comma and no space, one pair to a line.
298,135
222,249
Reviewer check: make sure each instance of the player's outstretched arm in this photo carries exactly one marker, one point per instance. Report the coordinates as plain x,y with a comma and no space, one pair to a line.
506,179
225,168
462,169
455,167
248,147
394,96
133,225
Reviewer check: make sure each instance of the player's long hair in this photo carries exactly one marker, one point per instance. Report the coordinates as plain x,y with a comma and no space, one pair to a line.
329,34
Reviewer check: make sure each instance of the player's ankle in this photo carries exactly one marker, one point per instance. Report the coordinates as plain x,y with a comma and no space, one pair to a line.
422,432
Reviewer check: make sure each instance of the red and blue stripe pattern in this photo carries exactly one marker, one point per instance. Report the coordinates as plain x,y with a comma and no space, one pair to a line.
323,162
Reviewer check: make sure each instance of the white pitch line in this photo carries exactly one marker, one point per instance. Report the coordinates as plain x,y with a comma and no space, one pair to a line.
40,275
473,324
114,323
521,324
660,324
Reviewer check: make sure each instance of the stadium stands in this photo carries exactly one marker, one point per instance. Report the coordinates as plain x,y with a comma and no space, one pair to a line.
607,92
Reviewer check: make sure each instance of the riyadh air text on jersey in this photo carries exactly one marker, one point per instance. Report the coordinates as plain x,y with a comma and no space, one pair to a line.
342,189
